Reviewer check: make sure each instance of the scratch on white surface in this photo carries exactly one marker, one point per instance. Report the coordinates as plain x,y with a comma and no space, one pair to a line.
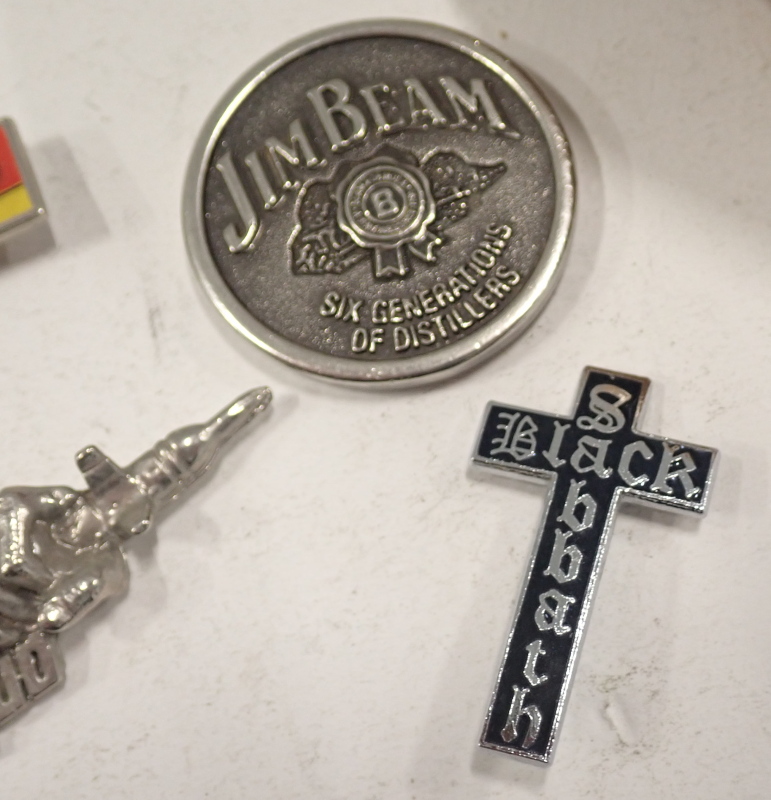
620,722
154,318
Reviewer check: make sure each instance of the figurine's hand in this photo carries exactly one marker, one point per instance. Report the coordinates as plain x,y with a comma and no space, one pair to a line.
74,595
61,499
54,615
32,574
22,509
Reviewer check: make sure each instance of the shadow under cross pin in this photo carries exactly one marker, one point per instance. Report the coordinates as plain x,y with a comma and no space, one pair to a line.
592,460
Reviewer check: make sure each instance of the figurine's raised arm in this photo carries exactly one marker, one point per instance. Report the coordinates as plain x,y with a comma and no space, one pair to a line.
127,498
61,550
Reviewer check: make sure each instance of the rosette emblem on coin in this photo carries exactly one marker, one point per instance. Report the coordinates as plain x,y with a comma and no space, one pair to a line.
380,202
383,205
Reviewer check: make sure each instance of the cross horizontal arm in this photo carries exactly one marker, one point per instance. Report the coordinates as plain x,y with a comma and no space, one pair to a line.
642,467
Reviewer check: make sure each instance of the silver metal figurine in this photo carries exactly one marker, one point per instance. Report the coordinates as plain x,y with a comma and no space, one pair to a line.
61,550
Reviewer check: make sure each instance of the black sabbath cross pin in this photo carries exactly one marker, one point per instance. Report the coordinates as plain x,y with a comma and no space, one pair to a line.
593,460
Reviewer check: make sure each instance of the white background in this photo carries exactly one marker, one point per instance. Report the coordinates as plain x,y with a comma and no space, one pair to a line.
324,618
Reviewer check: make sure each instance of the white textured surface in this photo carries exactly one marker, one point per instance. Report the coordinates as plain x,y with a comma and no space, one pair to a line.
324,618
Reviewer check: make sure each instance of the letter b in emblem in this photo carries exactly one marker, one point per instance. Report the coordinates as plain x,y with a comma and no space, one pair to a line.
383,203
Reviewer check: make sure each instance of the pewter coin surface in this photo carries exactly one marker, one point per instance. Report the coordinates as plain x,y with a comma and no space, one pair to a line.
380,202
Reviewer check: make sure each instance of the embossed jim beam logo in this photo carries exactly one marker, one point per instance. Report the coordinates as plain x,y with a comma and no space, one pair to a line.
593,460
397,214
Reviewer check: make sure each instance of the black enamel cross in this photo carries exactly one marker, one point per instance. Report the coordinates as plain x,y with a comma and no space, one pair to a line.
593,460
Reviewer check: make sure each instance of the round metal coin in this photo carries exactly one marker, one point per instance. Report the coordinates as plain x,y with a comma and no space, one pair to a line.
380,202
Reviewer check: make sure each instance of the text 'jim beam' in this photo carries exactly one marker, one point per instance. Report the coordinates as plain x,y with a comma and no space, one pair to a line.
593,459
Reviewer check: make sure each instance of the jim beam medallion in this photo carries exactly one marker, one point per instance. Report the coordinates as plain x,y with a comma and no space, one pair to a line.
380,202
593,460
61,550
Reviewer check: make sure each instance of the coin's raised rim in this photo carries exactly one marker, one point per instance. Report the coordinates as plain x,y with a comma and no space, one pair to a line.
437,364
